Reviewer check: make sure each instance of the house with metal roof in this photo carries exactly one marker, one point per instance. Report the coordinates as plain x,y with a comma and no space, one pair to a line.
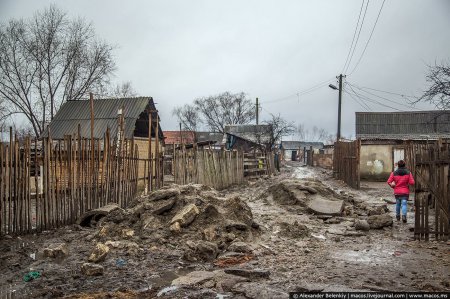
75,117
247,137
74,114
384,135
294,150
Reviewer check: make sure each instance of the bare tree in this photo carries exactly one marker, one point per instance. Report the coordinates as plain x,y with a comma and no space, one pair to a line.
439,91
225,109
124,90
47,60
279,128
188,116
315,135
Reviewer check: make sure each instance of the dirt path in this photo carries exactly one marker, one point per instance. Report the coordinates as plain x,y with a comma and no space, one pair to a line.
309,253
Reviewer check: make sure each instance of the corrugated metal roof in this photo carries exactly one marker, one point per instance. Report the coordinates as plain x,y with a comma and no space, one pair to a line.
259,134
73,113
301,144
403,125
209,136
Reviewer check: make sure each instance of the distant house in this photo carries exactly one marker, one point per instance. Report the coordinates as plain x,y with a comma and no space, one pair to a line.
247,137
293,150
75,116
209,139
174,138
383,136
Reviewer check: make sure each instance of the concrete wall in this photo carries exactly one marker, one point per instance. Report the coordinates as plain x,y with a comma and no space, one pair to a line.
375,162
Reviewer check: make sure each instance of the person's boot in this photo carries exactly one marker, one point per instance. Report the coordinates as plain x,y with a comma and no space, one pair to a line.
398,217
404,218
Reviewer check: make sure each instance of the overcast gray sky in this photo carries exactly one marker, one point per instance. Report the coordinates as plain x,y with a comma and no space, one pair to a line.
176,51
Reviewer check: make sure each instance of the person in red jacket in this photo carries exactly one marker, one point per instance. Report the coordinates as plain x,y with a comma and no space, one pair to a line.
400,180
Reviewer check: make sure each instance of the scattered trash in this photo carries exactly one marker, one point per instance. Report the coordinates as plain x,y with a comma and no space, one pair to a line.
398,252
33,256
221,296
166,290
120,262
319,237
31,275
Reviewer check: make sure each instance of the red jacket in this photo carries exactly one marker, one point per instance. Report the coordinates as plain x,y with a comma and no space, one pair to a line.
402,178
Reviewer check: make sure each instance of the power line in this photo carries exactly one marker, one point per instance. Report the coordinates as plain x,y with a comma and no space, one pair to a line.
367,43
299,93
386,99
358,100
389,92
367,98
362,104
357,38
354,34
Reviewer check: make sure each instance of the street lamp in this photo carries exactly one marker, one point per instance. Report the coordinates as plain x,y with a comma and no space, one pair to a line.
333,87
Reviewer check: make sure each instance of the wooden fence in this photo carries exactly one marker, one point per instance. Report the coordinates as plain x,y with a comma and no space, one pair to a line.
432,190
215,168
346,162
48,184
258,163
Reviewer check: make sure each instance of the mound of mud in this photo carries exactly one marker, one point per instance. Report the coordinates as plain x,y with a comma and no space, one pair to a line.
193,218
299,192
294,230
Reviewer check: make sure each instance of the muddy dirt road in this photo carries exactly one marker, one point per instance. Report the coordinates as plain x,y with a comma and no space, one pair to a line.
260,240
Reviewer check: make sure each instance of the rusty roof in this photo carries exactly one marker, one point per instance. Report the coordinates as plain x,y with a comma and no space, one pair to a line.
178,137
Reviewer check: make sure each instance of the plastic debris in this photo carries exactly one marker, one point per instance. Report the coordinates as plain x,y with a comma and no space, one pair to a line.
167,290
31,276
120,262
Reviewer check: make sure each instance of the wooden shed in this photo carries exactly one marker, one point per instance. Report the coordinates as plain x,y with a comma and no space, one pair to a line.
74,117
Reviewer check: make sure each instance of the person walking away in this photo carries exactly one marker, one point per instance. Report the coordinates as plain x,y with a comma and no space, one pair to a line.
400,180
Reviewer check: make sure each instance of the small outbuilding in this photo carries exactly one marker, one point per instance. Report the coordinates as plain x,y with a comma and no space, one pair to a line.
75,117
247,137
384,136
294,150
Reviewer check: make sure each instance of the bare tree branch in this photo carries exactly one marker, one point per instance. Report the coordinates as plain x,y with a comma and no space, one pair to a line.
188,116
47,60
225,109
279,128
439,91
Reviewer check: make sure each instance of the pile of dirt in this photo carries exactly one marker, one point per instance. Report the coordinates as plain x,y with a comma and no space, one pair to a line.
298,192
294,230
192,218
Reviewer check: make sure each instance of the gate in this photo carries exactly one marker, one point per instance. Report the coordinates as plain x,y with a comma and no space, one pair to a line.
346,162
432,192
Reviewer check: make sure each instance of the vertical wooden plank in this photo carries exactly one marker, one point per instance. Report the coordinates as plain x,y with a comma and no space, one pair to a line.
157,155
2,189
150,166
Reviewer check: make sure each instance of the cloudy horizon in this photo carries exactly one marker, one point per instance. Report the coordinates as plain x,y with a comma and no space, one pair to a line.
176,51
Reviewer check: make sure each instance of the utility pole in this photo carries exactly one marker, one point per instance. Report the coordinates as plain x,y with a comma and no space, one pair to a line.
338,137
257,111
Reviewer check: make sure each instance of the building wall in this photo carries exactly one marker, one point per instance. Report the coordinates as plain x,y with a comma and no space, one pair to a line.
375,162
287,154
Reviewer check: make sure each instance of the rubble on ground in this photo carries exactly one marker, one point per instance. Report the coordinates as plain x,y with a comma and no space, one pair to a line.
193,218
379,221
307,195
